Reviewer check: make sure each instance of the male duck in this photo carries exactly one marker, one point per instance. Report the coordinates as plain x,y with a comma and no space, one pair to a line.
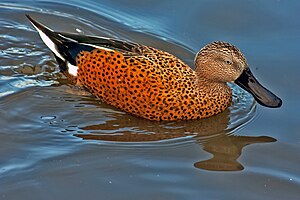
150,83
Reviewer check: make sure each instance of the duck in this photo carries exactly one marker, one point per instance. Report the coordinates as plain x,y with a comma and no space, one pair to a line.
150,83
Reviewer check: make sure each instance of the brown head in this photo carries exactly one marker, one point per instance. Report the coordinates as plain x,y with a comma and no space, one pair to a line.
221,62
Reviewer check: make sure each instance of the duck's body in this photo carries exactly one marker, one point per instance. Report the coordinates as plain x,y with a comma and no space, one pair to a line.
152,84
148,82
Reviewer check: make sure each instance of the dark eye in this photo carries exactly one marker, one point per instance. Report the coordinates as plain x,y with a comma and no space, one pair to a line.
228,62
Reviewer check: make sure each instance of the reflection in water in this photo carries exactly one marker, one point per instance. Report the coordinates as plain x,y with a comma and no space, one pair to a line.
212,133
126,128
226,149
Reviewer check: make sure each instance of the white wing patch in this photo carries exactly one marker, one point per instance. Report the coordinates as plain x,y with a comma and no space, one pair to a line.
49,43
72,69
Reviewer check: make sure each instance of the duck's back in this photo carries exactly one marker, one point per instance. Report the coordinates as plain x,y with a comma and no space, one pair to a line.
148,82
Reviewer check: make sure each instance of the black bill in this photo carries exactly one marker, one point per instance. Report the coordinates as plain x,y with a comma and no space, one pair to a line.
263,96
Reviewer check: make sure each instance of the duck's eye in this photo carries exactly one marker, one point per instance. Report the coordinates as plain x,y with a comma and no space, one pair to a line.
228,62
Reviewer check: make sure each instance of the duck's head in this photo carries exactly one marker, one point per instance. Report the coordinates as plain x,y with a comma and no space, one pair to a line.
221,62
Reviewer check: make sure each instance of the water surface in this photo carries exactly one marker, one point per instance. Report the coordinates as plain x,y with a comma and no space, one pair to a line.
59,142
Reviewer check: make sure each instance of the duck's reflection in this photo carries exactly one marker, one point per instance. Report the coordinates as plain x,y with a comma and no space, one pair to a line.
226,149
212,134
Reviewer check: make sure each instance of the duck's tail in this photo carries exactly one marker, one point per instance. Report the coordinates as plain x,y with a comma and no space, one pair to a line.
65,49
66,46
48,36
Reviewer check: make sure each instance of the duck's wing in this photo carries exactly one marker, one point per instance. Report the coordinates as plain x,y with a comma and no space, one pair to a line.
66,46
109,43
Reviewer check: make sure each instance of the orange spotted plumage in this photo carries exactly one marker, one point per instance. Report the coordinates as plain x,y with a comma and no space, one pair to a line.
150,83
140,86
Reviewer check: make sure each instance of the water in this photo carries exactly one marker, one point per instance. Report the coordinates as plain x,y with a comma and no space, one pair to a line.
58,142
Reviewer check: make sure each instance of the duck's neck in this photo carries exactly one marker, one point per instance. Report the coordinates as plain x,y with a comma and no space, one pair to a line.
213,87
219,95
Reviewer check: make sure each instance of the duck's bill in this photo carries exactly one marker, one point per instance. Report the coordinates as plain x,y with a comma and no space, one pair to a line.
263,96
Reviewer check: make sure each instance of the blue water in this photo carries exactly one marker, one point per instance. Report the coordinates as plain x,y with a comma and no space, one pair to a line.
59,142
